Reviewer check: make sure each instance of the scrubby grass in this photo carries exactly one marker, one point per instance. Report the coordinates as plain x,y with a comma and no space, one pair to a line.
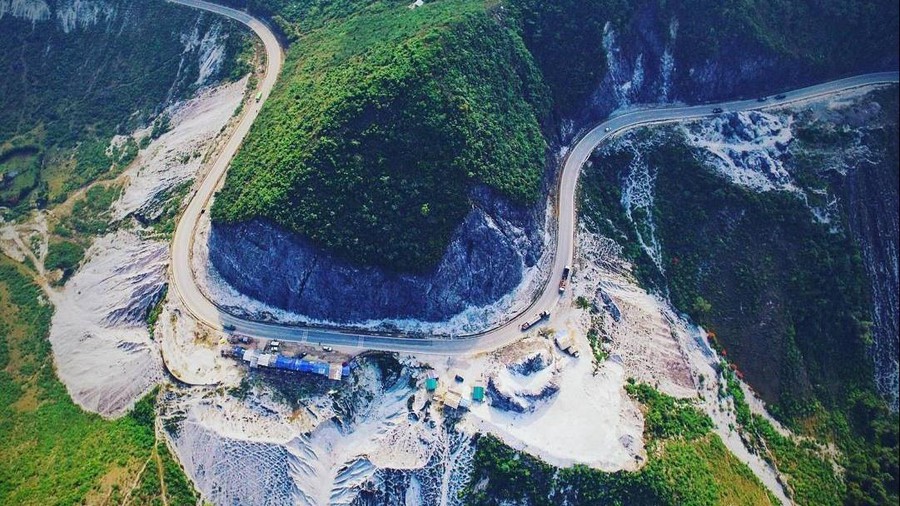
89,215
688,465
63,255
53,452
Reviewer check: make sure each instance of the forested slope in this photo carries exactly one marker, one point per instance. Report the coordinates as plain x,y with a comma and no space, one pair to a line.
74,74
382,123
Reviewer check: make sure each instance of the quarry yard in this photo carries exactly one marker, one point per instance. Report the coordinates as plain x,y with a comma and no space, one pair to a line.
549,392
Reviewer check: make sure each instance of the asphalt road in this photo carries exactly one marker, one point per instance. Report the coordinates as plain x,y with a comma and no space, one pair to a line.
202,309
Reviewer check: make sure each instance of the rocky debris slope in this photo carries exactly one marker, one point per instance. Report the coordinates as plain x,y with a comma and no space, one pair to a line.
369,440
643,335
177,155
747,148
103,351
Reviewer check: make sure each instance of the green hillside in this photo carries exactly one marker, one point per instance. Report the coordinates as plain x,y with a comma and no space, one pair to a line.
786,297
53,452
382,122
65,95
386,116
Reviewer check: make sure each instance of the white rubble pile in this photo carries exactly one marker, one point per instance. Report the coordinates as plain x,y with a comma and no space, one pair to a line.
522,385
101,343
356,437
748,148
638,324
102,347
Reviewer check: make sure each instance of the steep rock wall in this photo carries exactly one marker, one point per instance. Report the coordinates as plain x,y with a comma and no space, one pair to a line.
872,202
486,260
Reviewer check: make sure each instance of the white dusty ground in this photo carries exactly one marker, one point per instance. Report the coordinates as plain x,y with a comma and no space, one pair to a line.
101,344
257,451
102,347
590,420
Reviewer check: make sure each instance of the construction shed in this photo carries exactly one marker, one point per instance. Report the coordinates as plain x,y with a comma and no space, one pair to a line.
273,361
452,399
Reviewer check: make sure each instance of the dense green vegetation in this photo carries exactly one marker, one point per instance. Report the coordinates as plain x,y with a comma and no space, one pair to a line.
66,95
810,475
688,465
786,298
63,255
404,109
52,452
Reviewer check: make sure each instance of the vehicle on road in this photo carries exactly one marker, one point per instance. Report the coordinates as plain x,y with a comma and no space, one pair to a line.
327,349
606,129
565,279
718,110
229,327
762,99
780,96
239,338
259,96
535,320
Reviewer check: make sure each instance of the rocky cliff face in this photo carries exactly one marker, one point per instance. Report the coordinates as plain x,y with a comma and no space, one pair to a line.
487,259
872,204
654,58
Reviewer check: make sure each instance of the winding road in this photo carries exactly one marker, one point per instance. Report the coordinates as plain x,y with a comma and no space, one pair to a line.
207,312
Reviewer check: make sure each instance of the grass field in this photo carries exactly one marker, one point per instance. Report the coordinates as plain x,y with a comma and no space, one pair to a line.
53,452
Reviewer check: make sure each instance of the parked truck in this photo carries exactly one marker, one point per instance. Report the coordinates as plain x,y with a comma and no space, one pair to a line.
565,279
535,320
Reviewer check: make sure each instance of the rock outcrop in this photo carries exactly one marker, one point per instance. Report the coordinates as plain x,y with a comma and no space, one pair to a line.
486,260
